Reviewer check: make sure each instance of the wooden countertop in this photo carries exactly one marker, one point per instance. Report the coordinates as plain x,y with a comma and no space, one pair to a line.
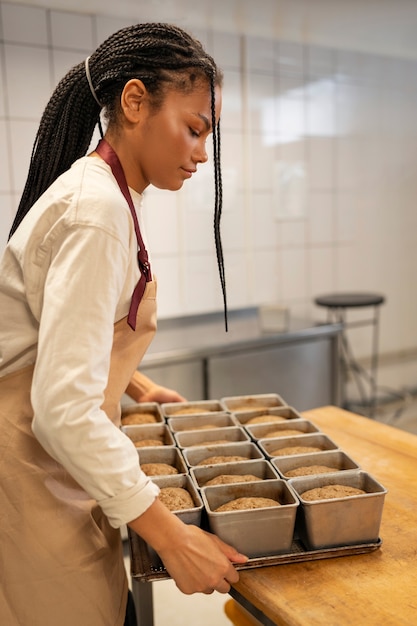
379,588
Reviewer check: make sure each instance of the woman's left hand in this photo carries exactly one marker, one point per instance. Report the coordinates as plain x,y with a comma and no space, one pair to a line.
143,389
160,394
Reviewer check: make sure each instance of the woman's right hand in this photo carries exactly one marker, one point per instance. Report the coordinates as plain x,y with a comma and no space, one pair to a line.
197,561
200,562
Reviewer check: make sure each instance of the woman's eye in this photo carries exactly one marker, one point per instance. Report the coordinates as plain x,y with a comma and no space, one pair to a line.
194,133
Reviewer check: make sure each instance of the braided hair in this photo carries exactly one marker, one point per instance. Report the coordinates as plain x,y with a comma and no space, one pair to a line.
157,54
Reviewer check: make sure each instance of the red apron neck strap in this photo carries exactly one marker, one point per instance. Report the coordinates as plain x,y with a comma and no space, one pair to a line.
110,157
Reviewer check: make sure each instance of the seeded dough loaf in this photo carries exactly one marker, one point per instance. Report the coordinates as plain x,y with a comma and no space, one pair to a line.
145,443
262,419
250,405
158,469
214,460
283,433
210,443
138,418
294,450
247,503
176,498
195,427
225,479
190,410
310,469
329,492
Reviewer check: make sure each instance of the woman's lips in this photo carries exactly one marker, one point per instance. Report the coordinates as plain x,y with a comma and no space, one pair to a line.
189,172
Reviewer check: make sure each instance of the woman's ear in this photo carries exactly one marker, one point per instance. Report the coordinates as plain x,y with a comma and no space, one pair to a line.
132,99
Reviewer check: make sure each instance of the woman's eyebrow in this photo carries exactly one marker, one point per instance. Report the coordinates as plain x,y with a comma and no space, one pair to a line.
205,119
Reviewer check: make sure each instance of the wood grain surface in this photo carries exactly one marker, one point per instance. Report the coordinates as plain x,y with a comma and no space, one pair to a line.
379,588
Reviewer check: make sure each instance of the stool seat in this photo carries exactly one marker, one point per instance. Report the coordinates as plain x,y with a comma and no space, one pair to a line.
347,300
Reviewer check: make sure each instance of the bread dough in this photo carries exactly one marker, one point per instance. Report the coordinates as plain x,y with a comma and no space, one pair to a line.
138,418
247,503
307,470
145,443
190,410
158,469
210,443
225,479
176,498
294,450
214,460
262,419
329,492
283,433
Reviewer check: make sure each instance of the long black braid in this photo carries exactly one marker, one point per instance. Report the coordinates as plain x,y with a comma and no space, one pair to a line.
155,53
218,201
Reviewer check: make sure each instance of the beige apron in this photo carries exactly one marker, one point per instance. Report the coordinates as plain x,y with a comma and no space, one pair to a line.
61,563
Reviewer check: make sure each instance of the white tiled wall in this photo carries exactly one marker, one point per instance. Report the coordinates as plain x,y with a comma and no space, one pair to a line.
319,150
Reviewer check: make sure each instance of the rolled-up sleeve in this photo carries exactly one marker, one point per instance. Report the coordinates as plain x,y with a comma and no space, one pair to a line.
84,282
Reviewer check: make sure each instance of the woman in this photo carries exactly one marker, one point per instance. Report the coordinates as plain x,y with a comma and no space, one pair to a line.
78,312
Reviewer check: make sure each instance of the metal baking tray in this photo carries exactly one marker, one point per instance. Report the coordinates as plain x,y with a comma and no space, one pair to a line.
145,565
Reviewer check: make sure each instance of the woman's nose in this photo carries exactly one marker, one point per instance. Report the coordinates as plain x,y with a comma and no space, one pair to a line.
200,154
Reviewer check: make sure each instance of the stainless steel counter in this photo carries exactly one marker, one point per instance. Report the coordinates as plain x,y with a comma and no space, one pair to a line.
204,335
196,356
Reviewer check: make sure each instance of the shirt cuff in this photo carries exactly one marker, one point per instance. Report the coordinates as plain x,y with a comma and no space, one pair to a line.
130,504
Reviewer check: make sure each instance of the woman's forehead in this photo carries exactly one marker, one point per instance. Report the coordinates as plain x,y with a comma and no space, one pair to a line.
197,102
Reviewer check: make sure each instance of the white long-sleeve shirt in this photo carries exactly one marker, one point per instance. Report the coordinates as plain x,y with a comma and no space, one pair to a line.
67,275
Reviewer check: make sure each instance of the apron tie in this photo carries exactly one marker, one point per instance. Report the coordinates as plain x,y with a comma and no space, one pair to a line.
110,157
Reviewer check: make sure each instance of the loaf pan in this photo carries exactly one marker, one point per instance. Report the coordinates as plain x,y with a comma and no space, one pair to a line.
238,404
271,447
142,408
201,422
200,407
257,467
254,532
152,431
341,521
188,516
164,454
248,450
335,459
277,415
265,431
193,438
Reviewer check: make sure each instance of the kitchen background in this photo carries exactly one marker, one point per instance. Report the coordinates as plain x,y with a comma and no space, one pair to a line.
319,152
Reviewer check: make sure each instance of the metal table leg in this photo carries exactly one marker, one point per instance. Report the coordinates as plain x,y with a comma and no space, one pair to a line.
349,364
143,597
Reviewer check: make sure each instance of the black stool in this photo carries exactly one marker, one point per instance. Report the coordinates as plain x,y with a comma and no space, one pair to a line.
337,304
